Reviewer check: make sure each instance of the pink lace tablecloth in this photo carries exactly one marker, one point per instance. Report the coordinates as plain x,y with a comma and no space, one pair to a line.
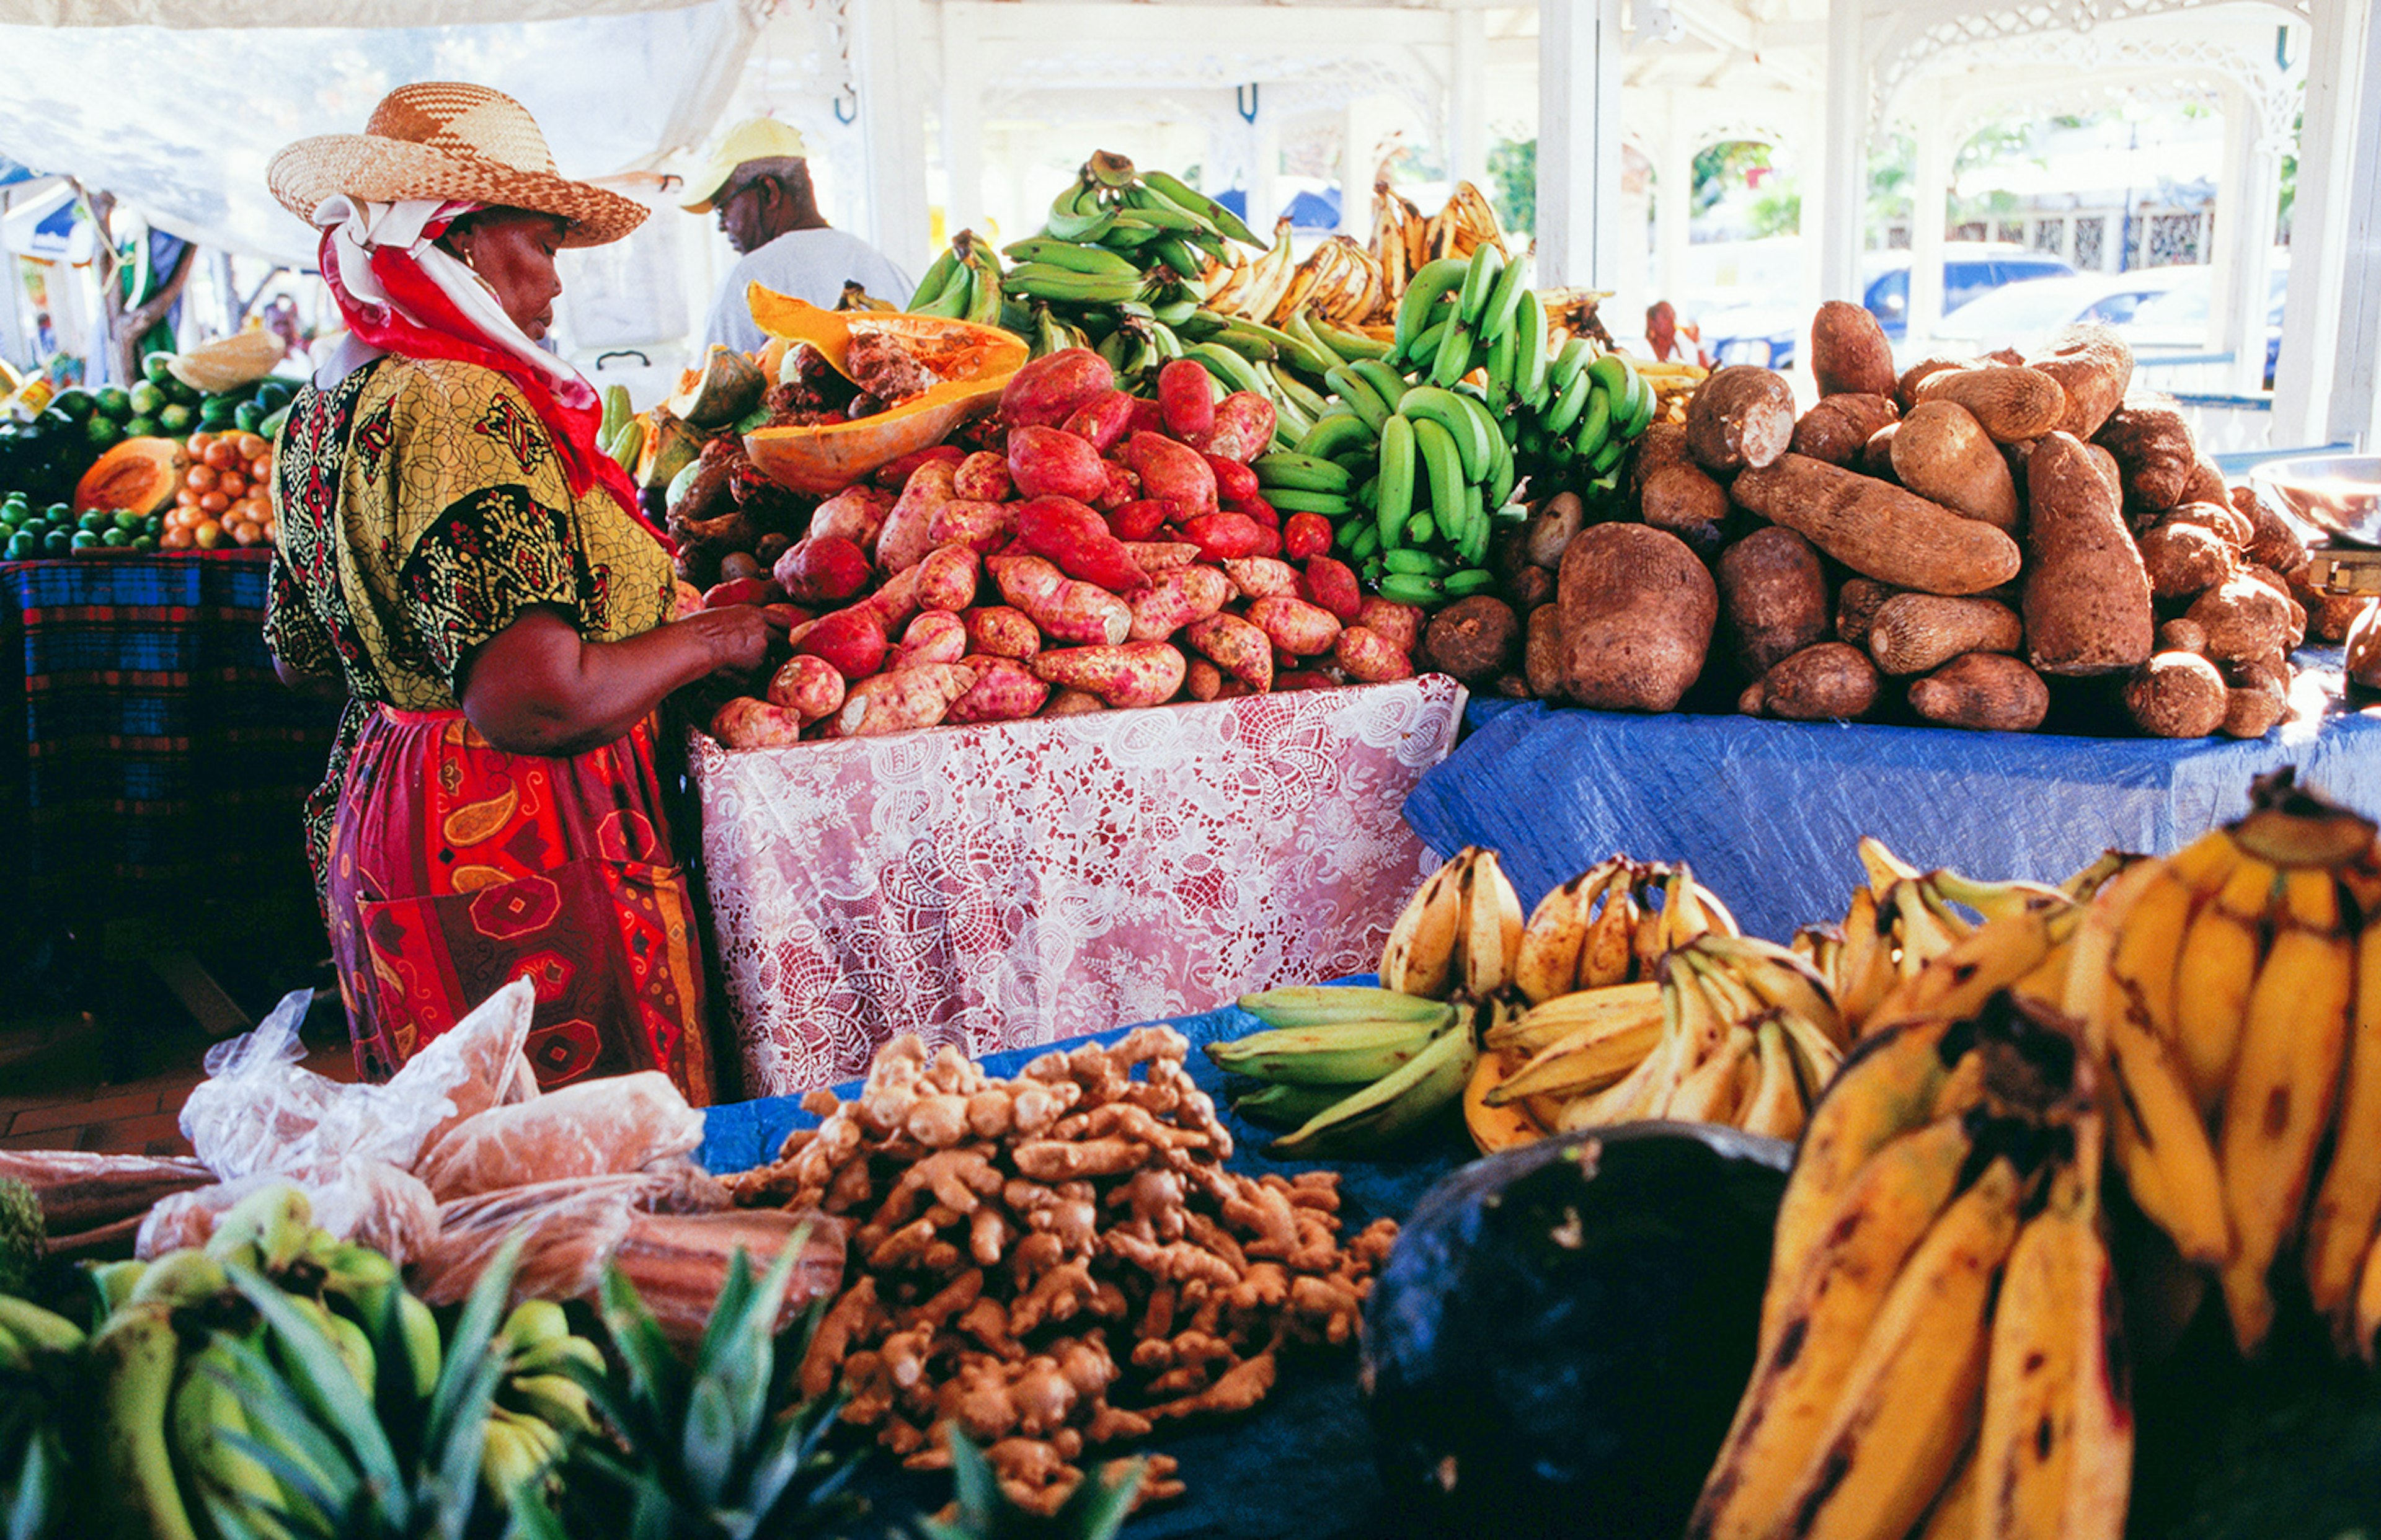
1010,885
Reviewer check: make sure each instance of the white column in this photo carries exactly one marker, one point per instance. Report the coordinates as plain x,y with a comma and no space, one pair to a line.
1809,140
2246,209
2336,49
1467,96
1362,123
963,119
16,326
1842,156
2356,395
1930,203
1264,165
1578,143
1674,187
888,55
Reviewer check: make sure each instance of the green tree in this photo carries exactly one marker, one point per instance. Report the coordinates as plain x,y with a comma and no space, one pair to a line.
1720,167
1513,172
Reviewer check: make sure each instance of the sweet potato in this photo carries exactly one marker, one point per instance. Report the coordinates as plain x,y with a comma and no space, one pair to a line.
2094,365
747,723
906,537
1236,482
822,570
2087,593
1773,597
1100,420
1916,633
1066,609
684,599
1132,674
1244,424
851,641
894,473
1638,609
1235,645
1005,690
1001,631
1305,536
1686,502
1839,427
2176,695
1473,639
1172,471
1226,537
1401,623
982,477
894,602
2242,617
1202,680
1905,387
1185,397
1140,517
1943,453
2011,402
1554,522
743,590
1071,703
1330,583
2154,450
1048,390
1849,352
1297,628
1068,533
2184,559
1543,656
1052,462
808,686
982,527
1742,416
1827,681
1856,605
1175,600
905,699
1879,530
856,514
933,636
1367,657
1261,577
1988,691
947,579
1157,558
1118,488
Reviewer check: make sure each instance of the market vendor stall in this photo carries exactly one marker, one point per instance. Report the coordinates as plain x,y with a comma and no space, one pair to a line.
1016,883
1767,812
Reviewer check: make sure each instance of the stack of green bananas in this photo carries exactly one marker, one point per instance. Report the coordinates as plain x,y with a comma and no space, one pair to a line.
963,284
1414,463
1348,1069
280,1383
43,1366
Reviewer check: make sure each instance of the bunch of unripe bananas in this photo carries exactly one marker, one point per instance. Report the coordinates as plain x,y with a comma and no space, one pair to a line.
1937,1354
236,1381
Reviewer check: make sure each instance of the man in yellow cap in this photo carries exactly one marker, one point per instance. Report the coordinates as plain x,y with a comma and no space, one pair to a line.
757,182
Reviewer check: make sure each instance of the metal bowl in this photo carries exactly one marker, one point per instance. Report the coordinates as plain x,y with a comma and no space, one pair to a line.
2338,494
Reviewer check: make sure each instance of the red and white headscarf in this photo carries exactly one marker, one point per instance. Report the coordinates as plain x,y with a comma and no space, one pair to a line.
403,293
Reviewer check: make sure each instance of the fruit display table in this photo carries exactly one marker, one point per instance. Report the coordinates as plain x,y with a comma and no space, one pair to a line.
1769,812
1012,883
148,754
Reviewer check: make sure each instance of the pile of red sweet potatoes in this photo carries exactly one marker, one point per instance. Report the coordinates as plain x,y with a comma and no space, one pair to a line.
1118,553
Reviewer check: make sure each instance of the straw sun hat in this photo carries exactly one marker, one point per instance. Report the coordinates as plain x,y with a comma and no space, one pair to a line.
444,139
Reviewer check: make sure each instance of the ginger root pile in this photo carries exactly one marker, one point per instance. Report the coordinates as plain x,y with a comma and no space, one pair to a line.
1059,1262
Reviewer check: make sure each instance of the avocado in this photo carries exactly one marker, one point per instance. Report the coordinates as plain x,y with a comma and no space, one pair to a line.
1558,1340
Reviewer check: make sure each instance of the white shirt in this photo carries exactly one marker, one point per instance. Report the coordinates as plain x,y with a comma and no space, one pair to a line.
808,264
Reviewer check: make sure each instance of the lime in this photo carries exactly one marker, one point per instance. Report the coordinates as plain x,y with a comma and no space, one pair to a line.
145,398
130,521
215,410
145,542
77,404
141,427
112,402
248,417
83,539
103,432
177,419
117,538
93,521
58,513
23,547
157,368
58,543
180,392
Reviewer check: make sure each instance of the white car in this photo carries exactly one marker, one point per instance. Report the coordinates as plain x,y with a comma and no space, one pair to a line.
2020,315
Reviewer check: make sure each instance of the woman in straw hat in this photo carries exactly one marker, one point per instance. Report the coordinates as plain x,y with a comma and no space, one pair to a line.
453,544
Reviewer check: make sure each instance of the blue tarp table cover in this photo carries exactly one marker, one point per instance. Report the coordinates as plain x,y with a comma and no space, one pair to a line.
1302,1464
1769,812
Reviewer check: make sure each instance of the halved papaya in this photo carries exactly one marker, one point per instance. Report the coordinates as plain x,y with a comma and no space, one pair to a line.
973,362
725,388
139,475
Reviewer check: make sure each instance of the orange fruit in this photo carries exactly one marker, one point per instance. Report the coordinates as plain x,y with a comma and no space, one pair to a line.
187,498
250,445
221,454
261,468
246,533
200,477
208,535
231,484
176,538
198,444
215,502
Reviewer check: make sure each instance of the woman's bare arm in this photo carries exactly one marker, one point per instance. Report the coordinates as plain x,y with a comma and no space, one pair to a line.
538,687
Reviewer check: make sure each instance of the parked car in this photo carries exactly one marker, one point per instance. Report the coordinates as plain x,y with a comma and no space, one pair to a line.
1769,334
2176,322
2020,315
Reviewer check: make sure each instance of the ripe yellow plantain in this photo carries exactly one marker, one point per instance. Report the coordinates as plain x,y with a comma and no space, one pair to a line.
2150,944
1577,1017
2163,1147
2213,974
1774,1107
2348,1205
1548,964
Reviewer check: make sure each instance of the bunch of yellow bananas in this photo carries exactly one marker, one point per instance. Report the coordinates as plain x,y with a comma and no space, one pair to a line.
2235,989
1404,238
1936,1353
1339,281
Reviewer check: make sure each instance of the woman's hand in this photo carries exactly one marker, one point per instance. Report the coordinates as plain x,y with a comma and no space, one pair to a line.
538,687
737,636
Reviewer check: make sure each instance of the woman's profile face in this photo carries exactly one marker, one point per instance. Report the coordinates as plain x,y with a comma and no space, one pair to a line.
513,250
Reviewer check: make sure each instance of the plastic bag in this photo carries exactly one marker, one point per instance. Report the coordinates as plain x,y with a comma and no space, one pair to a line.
595,1128
261,1111
359,1199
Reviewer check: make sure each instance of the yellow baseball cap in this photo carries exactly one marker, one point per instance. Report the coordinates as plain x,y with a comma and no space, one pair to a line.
757,139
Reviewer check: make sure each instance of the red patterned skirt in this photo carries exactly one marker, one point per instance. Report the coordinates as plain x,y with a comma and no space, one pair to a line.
455,868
